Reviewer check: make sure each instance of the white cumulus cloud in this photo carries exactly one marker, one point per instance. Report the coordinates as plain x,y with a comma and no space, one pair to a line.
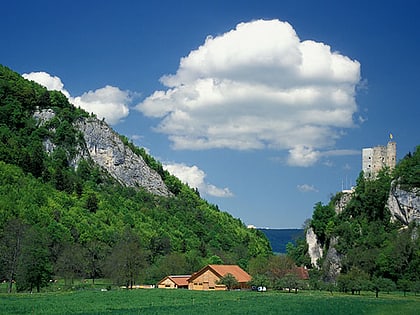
108,102
195,178
258,86
52,83
306,188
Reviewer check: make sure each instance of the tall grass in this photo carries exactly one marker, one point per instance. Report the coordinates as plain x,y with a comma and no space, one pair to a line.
161,301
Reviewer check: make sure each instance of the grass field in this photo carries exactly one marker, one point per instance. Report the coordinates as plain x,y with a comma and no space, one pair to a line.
161,301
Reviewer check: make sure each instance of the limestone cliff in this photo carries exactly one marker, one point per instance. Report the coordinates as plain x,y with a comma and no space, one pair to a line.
315,250
404,205
108,151
332,263
104,146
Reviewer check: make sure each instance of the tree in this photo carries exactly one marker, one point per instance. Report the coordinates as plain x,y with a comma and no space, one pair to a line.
291,282
10,249
229,281
416,287
95,254
172,264
92,202
356,280
299,252
71,263
258,266
260,281
278,267
34,270
404,285
126,260
215,260
323,214
379,284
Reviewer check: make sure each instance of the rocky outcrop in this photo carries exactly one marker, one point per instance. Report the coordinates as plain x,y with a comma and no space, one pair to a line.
332,262
108,151
343,200
315,250
104,146
404,205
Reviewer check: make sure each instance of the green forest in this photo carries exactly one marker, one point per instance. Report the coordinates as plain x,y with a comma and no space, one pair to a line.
67,222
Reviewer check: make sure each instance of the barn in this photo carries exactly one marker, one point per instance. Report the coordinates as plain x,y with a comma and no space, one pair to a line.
174,282
207,277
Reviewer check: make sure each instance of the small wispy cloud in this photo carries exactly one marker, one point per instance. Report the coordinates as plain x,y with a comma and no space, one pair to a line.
347,167
306,188
343,152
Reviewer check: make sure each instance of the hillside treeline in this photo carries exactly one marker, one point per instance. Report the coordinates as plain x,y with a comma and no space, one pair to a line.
61,220
373,251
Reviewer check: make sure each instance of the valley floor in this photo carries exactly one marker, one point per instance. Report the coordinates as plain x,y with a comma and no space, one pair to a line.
162,301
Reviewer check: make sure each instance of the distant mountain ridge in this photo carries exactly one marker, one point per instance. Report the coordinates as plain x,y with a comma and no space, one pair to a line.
279,238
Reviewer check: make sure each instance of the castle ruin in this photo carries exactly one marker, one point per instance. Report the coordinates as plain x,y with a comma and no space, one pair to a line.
376,158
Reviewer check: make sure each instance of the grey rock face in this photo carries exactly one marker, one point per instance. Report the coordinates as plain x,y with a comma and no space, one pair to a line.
105,148
332,263
315,250
108,151
342,202
404,205
44,115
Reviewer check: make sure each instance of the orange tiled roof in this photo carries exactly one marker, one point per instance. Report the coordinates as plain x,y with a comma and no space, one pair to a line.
301,273
181,280
222,270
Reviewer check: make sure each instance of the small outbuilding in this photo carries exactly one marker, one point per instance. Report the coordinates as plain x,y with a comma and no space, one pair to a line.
174,282
301,273
208,277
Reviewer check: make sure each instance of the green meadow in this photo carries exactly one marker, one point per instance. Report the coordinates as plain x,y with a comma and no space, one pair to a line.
161,301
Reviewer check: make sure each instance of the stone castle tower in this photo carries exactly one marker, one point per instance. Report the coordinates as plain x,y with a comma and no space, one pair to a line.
376,158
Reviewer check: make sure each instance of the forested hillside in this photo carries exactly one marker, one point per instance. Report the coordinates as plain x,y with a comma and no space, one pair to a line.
61,215
363,243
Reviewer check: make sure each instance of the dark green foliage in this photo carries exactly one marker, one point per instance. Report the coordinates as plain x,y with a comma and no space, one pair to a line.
229,281
271,269
299,252
34,268
291,282
126,260
77,217
323,221
11,241
408,171
71,263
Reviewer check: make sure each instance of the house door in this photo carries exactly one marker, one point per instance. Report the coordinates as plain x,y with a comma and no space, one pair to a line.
205,285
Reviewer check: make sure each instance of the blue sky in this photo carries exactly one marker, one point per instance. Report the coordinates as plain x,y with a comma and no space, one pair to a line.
263,105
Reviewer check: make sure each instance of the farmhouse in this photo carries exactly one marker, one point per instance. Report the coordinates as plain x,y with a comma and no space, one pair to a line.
207,277
174,282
